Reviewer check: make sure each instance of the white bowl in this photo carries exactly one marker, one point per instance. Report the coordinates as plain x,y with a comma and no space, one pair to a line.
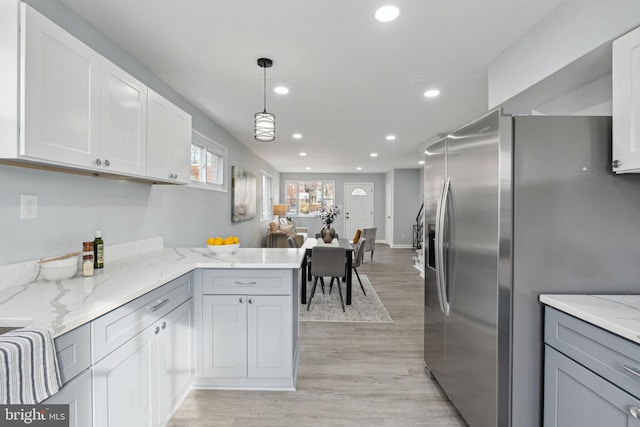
223,249
60,269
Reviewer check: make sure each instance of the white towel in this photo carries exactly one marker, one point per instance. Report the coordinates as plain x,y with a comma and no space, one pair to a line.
29,370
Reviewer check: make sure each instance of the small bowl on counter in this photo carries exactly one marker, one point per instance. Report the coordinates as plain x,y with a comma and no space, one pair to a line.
60,268
223,249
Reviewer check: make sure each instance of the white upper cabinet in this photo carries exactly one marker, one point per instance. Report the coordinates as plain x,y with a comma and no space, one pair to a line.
75,109
168,140
123,122
626,103
60,89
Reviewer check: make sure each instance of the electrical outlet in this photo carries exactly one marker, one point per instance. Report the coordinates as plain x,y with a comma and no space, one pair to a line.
404,236
28,206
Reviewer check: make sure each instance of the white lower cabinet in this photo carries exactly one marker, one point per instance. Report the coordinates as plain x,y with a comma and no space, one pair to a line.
143,363
248,337
175,359
77,394
143,381
124,384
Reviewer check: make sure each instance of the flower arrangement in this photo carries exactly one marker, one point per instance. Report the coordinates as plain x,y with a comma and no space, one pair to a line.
328,214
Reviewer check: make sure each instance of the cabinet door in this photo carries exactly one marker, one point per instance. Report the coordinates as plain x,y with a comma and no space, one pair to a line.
76,394
626,102
168,140
576,397
60,88
224,336
125,384
175,345
270,347
123,122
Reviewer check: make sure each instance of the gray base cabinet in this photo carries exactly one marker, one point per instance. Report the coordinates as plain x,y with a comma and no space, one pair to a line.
588,378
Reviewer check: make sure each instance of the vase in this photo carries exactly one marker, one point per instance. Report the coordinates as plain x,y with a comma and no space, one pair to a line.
327,233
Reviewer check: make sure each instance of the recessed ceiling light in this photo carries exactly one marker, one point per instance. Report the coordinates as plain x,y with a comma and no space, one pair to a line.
297,135
358,168
374,154
387,13
308,168
303,154
281,90
421,162
390,137
432,93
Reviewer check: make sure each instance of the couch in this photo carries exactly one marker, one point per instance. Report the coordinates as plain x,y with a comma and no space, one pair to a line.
277,234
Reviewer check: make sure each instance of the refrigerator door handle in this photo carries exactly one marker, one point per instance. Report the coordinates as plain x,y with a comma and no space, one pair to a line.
442,268
437,248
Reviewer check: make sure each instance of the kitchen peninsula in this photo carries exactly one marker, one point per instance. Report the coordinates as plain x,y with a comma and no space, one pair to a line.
164,320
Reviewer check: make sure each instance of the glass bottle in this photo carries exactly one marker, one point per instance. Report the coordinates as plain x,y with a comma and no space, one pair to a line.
98,250
87,258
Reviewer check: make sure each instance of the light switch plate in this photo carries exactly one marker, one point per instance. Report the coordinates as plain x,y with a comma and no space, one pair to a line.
28,206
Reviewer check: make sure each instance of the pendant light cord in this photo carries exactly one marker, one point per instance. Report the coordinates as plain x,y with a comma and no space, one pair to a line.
264,86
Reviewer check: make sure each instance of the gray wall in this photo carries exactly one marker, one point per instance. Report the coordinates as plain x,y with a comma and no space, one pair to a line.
71,207
314,224
407,198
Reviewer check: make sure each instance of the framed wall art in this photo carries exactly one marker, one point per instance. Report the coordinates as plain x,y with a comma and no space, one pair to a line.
243,195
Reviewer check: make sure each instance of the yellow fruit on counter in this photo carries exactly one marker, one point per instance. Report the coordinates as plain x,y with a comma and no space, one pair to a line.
210,241
235,239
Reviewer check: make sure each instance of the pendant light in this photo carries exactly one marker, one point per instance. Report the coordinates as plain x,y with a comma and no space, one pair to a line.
264,123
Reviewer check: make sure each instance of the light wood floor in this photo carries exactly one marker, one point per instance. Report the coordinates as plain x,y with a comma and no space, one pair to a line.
350,374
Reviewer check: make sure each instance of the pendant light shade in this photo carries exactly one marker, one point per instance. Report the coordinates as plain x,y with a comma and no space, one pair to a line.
264,123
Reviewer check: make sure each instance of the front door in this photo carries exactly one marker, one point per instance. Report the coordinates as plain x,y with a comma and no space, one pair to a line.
358,207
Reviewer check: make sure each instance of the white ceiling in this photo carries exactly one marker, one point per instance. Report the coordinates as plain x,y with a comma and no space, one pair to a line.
352,80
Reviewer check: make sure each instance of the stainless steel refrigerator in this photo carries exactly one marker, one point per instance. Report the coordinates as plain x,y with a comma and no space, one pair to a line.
516,207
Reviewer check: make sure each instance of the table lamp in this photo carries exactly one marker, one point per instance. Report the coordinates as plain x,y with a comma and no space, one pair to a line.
278,211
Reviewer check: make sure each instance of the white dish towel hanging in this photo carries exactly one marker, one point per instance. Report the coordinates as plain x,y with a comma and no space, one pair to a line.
29,370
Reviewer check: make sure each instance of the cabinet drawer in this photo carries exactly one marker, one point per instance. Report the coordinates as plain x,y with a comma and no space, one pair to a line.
118,326
260,282
73,351
611,356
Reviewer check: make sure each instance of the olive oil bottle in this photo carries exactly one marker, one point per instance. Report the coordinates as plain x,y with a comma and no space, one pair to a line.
98,251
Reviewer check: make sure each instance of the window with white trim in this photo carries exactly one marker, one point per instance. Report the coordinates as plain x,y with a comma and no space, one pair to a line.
267,196
304,198
208,163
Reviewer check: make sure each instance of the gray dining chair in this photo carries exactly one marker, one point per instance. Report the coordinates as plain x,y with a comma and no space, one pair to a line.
358,255
370,235
293,243
328,261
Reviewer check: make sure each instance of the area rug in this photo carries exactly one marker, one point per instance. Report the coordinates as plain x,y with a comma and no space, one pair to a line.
327,307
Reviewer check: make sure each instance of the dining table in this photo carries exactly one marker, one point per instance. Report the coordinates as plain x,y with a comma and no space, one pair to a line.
306,274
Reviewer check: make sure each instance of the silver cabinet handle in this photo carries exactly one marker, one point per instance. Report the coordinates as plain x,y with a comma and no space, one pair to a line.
98,162
107,163
635,412
634,371
246,283
251,300
241,300
159,304
164,325
157,330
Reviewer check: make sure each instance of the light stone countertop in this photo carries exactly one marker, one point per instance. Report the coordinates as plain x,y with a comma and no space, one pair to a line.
66,304
619,314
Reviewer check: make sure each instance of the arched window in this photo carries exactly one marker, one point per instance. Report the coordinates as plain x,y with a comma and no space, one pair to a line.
358,192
